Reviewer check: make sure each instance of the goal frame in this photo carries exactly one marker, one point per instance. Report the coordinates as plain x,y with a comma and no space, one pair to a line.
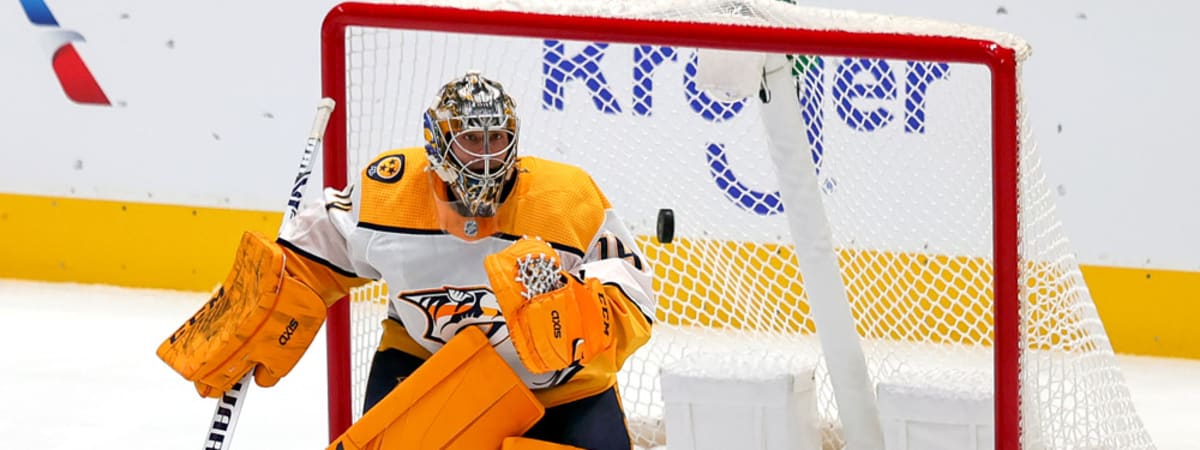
1001,61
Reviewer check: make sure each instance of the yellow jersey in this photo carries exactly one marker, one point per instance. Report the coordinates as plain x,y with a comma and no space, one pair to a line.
386,228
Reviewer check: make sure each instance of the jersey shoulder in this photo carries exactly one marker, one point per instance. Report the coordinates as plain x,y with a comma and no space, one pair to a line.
395,191
559,202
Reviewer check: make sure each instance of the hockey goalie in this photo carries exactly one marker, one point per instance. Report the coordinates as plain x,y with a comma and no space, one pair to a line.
515,292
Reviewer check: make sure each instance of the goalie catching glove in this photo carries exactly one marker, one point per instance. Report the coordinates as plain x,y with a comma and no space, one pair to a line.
261,318
554,318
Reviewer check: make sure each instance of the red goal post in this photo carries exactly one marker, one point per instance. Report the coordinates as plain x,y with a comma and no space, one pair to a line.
1001,57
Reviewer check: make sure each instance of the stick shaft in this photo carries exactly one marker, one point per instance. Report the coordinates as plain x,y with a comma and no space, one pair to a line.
324,110
229,406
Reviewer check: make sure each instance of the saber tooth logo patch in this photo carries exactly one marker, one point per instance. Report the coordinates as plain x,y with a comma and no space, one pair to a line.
449,309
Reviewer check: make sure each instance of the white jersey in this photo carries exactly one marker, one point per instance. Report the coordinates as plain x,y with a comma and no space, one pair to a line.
387,229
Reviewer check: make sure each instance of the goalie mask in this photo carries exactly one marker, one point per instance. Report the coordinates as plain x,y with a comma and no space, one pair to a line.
471,141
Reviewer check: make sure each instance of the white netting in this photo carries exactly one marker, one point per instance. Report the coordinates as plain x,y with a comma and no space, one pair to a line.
756,12
903,151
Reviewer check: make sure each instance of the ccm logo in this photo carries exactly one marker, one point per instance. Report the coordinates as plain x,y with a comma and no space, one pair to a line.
287,333
557,324
604,314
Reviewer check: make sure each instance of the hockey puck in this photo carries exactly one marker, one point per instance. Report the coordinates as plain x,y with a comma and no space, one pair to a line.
666,226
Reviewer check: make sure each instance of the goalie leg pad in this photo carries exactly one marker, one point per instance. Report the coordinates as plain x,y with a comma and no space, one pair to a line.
260,319
463,397
552,325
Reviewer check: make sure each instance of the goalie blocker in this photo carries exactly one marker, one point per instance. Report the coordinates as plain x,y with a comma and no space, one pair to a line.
261,318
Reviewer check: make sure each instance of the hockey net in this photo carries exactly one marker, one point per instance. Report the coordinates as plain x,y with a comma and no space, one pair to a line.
944,230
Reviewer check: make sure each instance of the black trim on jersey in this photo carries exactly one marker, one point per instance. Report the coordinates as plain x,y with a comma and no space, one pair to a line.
423,231
315,258
400,230
345,194
554,245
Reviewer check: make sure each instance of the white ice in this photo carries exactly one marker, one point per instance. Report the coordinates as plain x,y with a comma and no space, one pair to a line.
78,371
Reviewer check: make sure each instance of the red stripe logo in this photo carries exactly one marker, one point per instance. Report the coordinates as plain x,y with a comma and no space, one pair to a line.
76,79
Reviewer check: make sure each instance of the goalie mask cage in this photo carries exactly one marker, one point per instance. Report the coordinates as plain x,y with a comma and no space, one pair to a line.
953,265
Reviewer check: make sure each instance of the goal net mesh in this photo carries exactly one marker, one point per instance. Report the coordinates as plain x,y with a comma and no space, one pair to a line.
903,152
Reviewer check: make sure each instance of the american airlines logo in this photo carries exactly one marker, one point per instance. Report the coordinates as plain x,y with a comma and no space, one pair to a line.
73,74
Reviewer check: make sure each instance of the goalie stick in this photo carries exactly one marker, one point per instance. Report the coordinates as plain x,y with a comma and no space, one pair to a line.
229,407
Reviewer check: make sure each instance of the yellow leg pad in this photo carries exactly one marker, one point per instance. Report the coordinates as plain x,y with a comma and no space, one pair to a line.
520,443
463,397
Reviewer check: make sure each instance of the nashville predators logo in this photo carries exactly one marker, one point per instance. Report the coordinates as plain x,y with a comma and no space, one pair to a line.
388,169
449,309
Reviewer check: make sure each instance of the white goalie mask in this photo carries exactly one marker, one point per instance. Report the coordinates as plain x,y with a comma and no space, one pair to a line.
471,140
